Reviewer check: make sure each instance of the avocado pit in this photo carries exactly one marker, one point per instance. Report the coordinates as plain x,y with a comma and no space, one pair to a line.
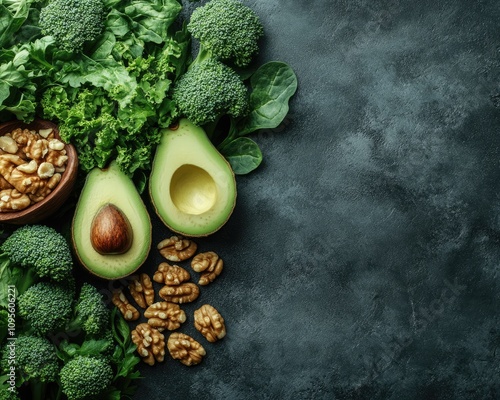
111,232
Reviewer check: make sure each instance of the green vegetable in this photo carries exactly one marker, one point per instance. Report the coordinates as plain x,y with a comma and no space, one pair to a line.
242,153
91,313
13,14
102,346
8,393
36,363
128,70
208,91
58,326
17,87
72,22
46,307
227,30
40,249
124,358
112,103
114,348
135,77
271,87
84,377
36,358
142,21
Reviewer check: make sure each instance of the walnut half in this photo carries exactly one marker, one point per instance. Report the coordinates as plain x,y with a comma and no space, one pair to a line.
141,289
183,293
170,274
13,200
185,349
176,248
165,315
150,343
210,323
128,311
210,264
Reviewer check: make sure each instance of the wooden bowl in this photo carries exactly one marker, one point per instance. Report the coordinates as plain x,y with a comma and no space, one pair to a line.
43,209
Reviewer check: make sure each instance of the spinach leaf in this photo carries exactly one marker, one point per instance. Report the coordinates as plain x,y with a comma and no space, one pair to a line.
272,85
153,18
16,91
243,154
148,21
103,47
12,18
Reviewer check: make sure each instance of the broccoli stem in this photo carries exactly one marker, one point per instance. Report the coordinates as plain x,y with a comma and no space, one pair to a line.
210,127
232,134
11,274
203,55
29,278
38,389
58,393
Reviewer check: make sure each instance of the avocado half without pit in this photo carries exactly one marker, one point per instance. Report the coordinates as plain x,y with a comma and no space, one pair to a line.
192,186
111,228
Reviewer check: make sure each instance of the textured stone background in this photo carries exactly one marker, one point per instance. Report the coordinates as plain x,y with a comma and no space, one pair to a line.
362,260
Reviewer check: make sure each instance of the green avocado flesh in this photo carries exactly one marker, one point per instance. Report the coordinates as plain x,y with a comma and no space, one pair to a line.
192,186
104,188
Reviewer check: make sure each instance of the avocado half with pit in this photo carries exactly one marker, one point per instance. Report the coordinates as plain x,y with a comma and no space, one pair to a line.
111,227
192,186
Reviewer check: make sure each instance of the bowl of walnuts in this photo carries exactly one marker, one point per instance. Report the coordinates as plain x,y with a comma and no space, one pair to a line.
37,171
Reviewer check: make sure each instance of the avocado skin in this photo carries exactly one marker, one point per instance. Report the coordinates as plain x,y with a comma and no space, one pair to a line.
110,186
185,150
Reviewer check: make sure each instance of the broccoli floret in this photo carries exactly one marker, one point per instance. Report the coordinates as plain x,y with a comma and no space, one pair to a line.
46,306
36,365
72,22
209,90
42,249
84,377
227,30
91,313
8,393
36,358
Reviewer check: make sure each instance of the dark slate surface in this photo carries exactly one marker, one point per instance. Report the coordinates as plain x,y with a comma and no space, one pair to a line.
362,260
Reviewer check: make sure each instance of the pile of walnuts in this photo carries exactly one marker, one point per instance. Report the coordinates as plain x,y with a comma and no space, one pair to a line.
31,166
167,315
